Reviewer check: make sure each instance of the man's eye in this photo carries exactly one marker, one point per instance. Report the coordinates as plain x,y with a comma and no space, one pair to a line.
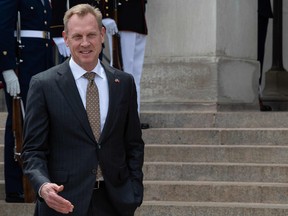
92,35
77,37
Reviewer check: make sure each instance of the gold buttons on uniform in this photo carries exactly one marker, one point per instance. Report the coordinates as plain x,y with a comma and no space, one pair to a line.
45,11
5,53
47,44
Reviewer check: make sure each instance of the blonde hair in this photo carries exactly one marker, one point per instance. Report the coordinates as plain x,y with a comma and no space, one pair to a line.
81,10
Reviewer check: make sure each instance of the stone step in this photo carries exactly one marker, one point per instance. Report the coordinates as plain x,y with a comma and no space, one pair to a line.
212,153
3,116
200,119
217,136
205,191
191,119
2,190
277,173
233,172
168,208
16,209
210,136
216,154
232,200
179,171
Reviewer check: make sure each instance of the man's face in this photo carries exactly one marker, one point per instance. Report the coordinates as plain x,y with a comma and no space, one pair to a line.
84,40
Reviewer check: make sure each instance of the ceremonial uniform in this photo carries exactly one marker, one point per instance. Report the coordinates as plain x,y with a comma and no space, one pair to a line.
36,56
133,31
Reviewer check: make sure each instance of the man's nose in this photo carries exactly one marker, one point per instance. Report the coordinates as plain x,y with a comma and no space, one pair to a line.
85,41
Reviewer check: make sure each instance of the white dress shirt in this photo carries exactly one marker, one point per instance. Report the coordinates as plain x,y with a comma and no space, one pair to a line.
100,81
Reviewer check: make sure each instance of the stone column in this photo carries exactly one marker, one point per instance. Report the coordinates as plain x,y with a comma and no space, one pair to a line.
200,54
275,92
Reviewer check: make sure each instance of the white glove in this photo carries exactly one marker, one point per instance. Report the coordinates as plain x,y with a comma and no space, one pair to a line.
62,48
12,82
110,25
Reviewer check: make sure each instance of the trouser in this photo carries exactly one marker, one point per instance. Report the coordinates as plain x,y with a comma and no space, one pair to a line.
100,204
133,52
262,33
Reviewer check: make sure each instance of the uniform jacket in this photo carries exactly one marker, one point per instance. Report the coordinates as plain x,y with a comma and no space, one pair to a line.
265,9
34,16
59,145
59,8
131,14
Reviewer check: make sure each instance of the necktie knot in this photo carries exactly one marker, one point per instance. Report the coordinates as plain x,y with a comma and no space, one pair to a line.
90,76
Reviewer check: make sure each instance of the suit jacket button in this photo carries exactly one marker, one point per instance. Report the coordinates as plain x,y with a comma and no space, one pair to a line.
94,171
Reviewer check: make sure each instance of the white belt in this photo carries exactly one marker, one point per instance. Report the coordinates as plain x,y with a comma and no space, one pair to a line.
34,34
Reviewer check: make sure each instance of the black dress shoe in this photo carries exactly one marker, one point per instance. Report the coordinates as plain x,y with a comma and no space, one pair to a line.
14,198
263,107
144,126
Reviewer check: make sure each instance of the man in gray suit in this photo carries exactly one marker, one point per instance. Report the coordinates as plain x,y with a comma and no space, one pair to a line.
61,154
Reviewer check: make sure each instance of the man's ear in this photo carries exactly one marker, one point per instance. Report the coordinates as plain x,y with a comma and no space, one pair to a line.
64,35
103,32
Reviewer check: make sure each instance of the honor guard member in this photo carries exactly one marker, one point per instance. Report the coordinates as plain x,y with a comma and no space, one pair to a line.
133,30
264,14
58,10
19,60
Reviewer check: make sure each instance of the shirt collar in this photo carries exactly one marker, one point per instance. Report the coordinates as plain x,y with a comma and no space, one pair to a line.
78,71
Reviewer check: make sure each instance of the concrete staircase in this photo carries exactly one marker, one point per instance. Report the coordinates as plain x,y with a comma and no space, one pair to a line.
206,163
216,164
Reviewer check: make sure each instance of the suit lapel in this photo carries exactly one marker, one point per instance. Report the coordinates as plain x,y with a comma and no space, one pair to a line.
111,77
67,85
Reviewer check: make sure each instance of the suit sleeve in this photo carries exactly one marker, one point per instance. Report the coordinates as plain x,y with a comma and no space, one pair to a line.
8,17
36,128
135,145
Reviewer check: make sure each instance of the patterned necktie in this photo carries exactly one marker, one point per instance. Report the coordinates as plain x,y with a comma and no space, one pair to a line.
93,111
92,105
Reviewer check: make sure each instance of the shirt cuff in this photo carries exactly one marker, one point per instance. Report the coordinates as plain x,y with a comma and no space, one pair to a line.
39,191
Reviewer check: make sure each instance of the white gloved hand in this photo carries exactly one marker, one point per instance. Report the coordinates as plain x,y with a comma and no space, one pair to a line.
12,82
62,48
110,25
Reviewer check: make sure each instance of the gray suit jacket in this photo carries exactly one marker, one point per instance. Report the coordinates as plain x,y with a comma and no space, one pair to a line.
59,145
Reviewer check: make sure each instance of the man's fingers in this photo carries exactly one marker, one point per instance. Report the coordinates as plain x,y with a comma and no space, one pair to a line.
50,192
59,204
